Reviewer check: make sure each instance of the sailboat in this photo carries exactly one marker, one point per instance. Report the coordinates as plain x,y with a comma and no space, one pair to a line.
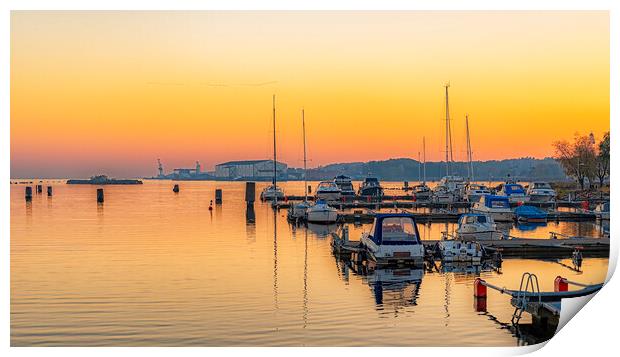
474,191
273,192
298,211
450,186
421,191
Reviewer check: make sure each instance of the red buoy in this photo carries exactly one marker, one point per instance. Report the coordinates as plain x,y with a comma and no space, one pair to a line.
480,290
560,284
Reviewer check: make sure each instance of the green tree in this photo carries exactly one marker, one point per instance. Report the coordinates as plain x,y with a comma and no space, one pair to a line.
602,159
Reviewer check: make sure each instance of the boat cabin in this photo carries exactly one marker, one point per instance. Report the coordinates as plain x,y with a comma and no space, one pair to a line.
514,189
394,229
474,218
492,201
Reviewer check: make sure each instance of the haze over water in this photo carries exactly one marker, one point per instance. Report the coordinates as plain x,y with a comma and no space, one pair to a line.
150,267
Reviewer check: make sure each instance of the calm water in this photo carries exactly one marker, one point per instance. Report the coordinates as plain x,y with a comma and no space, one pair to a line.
150,267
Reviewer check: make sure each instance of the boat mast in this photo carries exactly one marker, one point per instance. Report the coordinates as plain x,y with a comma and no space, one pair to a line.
424,156
303,125
470,168
448,140
419,167
275,180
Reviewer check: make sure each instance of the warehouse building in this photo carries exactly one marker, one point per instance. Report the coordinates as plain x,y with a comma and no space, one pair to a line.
257,170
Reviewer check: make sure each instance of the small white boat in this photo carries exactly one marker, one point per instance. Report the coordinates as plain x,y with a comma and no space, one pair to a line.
328,190
345,185
477,226
393,239
422,192
497,207
321,212
442,194
540,192
272,192
514,191
459,251
475,192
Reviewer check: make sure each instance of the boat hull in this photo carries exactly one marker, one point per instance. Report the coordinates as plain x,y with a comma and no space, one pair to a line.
322,216
328,195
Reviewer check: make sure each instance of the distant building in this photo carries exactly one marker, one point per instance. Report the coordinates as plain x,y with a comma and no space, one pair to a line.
259,170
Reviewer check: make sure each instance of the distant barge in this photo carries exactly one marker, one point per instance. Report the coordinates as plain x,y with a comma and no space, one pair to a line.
103,180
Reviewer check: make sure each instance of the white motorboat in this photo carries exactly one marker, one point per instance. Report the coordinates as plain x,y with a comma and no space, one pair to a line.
371,187
422,192
271,193
321,212
328,190
442,194
514,191
477,226
540,192
497,207
345,185
475,192
394,238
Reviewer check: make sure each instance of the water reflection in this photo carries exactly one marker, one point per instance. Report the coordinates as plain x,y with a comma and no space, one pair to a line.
322,230
395,287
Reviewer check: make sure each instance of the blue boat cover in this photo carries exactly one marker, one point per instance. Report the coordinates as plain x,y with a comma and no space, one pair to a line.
530,212
376,233
493,201
514,189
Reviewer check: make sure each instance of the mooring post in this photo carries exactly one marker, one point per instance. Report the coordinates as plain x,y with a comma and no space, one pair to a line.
175,189
39,188
100,195
250,192
49,191
309,189
218,196
28,194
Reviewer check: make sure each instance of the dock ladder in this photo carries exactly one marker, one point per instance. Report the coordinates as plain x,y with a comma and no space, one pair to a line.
528,287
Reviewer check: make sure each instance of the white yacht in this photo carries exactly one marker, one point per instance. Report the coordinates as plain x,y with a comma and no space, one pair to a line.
321,212
477,226
328,190
514,191
345,185
271,193
540,192
393,238
475,191
450,189
498,207
422,192
298,211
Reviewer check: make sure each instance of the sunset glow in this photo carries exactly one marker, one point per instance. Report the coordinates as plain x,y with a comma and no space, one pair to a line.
113,91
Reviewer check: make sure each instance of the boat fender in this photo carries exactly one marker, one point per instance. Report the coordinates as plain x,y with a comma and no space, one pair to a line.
560,284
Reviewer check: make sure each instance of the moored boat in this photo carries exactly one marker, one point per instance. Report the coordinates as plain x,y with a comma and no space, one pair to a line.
497,207
272,193
459,251
422,192
345,185
602,211
393,239
477,226
321,212
475,191
514,191
540,192
371,187
530,214
327,190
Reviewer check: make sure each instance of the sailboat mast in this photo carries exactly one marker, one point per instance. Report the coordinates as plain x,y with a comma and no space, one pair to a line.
447,131
424,156
470,169
275,180
419,167
303,125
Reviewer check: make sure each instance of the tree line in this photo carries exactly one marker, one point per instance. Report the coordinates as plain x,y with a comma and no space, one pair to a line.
584,158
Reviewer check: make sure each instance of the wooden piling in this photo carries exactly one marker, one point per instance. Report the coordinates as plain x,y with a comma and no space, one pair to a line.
39,188
218,196
100,195
28,194
250,192
49,191
309,189
175,189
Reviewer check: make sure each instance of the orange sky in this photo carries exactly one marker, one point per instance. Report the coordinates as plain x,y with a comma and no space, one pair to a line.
111,91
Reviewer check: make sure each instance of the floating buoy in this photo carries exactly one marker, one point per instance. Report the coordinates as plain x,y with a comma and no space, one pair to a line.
560,284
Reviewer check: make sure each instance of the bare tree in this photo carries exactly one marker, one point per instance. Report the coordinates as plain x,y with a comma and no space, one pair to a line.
602,159
577,158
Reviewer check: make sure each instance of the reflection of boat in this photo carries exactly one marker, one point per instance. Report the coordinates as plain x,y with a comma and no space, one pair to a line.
475,191
345,185
103,180
530,226
602,211
321,212
477,226
394,238
459,251
371,187
530,214
322,230
327,190
271,192
496,206
540,192
514,192
397,287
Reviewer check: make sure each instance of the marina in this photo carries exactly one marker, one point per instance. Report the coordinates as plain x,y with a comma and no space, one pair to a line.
282,280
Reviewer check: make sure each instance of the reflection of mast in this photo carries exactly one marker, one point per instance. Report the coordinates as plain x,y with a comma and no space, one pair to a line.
447,297
275,259
275,172
305,277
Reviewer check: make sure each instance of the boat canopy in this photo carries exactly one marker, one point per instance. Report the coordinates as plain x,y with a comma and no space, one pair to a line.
530,212
493,201
471,218
514,189
395,229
